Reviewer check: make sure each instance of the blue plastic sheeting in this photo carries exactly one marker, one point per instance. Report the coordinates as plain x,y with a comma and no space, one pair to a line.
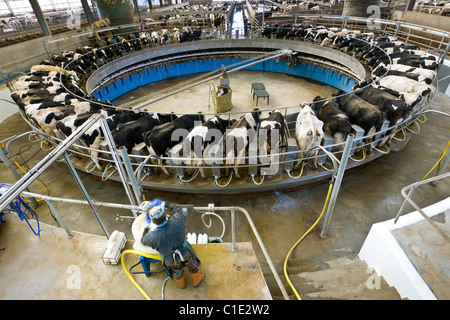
128,84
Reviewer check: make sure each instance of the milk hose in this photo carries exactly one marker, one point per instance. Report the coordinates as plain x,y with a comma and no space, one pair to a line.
299,240
146,255
439,161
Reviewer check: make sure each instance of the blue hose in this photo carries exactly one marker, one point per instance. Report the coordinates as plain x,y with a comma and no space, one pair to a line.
16,207
117,9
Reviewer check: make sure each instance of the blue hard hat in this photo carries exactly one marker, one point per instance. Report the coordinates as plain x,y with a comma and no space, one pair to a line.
156,212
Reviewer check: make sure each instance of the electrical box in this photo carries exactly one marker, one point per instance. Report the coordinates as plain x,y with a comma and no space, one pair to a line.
381,133
253,159
177,152
215,151
104,147
289,159
359,133
327,141
139,150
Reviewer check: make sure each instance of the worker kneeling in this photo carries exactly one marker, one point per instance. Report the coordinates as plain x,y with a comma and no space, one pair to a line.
168,238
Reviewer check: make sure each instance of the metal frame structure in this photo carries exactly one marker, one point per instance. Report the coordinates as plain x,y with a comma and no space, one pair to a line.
411,189
61,150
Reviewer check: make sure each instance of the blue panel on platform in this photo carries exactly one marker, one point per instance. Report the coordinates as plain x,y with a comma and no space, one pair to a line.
323,75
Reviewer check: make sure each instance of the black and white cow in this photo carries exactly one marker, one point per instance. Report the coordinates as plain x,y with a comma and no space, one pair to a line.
308,133
201,137
164,137
430,75
360,112
404,84
411,75
238,136
394,108
335,122
47,118
412,99
94,135
271,135
132,133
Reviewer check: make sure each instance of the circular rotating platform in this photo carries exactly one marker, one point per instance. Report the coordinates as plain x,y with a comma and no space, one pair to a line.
332,68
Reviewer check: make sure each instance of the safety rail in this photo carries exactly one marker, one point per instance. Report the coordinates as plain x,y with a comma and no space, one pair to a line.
411,189
61,150
139,209
283,159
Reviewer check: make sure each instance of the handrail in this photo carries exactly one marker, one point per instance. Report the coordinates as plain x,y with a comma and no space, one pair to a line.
412,187
232,209
26,180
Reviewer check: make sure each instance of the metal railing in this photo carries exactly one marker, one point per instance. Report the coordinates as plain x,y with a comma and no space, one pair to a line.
408,191
139,209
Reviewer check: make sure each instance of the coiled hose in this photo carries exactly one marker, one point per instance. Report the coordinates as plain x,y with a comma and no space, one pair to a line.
147,255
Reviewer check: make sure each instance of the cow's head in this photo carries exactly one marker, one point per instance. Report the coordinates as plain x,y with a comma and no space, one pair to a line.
256,113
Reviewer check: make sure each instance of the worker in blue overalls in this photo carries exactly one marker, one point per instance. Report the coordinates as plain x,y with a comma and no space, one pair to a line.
168,238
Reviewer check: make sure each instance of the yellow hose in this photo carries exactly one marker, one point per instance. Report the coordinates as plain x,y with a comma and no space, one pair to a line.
299,240
439,161
139,253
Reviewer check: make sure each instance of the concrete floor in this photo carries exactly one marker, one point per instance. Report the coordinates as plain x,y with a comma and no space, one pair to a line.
366,197
285,90
79,273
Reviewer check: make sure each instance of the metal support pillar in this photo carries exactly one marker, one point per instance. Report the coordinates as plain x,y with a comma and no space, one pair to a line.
46,50
410,5
407,37
118,163
233,230
131,175
40,17
397,30
87,12
136,7
11,169
444,55
85,193
337,185
11,11
55,212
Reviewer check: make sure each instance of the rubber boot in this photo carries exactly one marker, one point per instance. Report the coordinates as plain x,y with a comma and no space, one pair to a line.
197,278
181,282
